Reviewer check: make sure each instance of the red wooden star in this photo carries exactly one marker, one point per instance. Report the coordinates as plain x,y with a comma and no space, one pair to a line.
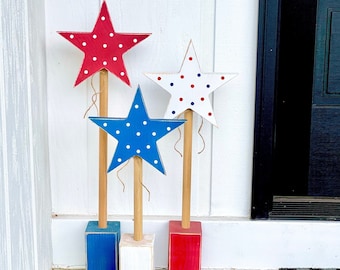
103,47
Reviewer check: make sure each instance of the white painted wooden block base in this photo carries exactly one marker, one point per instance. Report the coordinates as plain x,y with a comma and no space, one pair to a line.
136,255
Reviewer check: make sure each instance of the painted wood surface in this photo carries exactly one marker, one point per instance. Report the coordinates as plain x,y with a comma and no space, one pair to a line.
242,243
185,245
134,254
225,41
25,224
75,137
231,168
102,246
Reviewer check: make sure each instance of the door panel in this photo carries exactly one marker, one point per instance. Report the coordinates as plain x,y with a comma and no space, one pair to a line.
325,152
324,166
333,83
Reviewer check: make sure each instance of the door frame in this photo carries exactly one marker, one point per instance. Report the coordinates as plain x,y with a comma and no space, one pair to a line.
267,59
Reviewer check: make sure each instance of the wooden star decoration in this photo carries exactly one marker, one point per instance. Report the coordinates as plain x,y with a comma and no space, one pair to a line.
190,88
137,134
103,47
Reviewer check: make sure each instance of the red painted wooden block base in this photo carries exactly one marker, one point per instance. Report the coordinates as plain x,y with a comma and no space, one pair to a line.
185,246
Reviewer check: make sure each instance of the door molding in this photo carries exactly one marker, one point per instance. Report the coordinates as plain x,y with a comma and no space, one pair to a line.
25,197
267,57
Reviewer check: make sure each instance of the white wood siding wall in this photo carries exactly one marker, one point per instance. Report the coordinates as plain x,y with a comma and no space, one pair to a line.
224,35
222,45
74,139
25,204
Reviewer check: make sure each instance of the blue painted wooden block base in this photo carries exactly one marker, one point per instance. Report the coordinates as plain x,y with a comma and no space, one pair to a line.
102,246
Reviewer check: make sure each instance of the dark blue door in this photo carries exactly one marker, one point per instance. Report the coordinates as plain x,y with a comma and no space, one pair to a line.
324,161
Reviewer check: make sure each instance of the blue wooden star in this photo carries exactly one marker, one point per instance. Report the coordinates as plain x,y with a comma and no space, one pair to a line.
137,134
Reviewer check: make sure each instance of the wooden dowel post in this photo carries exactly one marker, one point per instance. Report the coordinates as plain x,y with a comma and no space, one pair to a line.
138,198
187,157
103,112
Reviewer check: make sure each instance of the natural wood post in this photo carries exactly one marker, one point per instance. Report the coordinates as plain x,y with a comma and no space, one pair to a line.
138,198
187,157
103,112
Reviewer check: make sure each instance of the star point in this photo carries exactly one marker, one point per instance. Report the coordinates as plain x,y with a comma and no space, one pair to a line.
137,134
190,87
103,48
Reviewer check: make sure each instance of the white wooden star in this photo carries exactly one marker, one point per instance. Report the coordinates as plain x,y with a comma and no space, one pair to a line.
190,88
